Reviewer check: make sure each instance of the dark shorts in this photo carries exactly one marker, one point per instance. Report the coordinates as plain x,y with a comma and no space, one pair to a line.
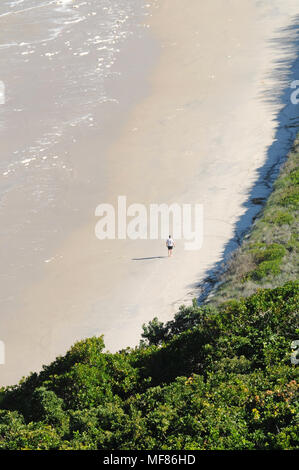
170,247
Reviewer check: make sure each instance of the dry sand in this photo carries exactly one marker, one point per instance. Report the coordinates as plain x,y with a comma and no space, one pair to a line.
199,137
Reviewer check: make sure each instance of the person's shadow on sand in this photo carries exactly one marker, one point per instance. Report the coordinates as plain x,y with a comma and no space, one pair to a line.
151,257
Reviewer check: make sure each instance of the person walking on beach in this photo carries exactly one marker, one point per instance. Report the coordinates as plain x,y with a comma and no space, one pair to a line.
170,244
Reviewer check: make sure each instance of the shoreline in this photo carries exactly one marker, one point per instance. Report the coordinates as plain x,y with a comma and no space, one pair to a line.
167,149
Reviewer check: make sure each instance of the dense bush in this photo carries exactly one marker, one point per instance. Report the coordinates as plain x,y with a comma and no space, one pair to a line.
209,379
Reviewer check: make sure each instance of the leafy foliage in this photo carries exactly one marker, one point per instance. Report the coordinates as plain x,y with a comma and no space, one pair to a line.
209,379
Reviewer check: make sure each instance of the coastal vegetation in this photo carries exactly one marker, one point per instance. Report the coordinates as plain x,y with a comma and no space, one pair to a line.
217,379
217,376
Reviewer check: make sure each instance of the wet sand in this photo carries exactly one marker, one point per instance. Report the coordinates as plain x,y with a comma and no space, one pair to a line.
199,136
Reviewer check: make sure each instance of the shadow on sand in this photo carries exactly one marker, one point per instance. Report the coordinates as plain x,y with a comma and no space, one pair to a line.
151,257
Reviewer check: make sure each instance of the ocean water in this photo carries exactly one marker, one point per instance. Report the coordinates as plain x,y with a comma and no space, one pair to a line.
56,60
69,78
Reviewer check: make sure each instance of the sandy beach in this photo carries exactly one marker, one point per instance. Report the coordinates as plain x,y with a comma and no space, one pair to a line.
198,132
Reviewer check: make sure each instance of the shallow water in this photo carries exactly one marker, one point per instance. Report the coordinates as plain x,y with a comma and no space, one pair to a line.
68,83
55,61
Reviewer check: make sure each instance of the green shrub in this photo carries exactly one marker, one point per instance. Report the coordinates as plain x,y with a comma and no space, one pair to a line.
280,218
265,268
263,252
224,383
268,259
